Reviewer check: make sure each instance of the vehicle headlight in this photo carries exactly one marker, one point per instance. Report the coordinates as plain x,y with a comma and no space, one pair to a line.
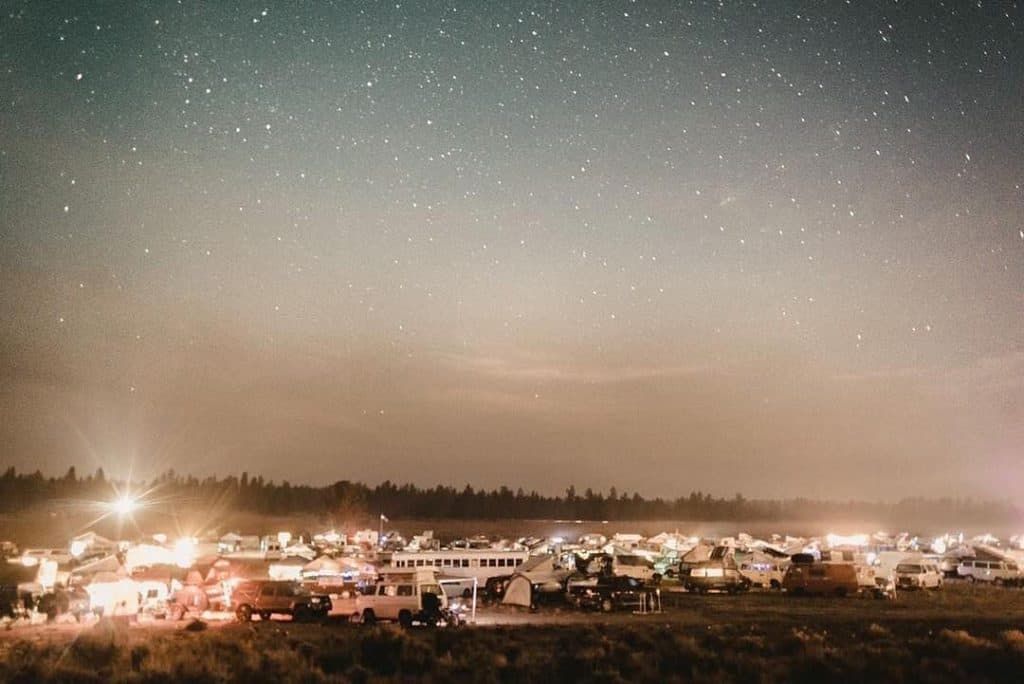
315,599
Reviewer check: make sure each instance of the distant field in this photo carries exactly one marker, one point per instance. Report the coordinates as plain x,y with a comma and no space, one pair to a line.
960,634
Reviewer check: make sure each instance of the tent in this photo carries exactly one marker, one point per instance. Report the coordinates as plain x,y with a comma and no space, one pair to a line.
536,577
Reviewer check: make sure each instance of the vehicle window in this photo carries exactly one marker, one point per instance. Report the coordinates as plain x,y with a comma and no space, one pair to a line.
267,590
404,590
465,562
909,568
287,590
501,562
390,590
419,562
400,564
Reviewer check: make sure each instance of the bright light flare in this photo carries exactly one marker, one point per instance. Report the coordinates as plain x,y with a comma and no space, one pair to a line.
124,505
185,552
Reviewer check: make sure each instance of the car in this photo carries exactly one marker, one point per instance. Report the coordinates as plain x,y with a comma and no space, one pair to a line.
607,593
918,576
821,579
268,597
994,571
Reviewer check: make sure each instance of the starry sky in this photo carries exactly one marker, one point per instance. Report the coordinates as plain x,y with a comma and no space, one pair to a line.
768,247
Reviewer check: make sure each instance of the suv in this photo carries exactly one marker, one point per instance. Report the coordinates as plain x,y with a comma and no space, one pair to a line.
284,598
918,576
997,572
607,593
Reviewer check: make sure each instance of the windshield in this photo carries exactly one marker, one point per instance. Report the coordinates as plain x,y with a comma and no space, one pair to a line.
909,569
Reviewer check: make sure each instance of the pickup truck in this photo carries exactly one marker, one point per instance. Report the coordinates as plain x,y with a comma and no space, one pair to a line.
265,598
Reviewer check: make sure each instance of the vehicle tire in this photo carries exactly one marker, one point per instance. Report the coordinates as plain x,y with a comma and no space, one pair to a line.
656,579
369,617
607,605
998,581
405,619
972,579
775,584
302,614
244,613
840,592
264,615
467,594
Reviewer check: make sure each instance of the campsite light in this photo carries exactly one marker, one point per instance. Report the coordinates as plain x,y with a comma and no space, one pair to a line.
124,505
185,552
939,545
78,547
29,561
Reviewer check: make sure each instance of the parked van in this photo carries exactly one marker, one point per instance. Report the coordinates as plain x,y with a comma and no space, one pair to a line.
402,596
820,579
997,572
911,575
764,574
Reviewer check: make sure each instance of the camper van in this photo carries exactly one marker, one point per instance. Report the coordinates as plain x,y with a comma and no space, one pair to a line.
994,571
414,595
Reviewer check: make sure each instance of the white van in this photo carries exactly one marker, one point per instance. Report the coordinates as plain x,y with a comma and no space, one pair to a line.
918,575
403,596
635,566
767,575
997,572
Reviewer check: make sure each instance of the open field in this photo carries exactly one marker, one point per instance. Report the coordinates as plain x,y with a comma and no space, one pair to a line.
961,633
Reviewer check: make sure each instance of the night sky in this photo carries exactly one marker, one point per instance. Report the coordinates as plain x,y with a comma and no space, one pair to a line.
769,247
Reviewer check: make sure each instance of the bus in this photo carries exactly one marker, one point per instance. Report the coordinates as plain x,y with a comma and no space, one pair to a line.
480,564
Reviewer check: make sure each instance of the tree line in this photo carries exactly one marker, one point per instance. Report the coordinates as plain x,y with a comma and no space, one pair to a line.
354,500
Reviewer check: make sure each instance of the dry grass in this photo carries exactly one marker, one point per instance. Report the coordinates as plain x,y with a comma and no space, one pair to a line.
964,634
